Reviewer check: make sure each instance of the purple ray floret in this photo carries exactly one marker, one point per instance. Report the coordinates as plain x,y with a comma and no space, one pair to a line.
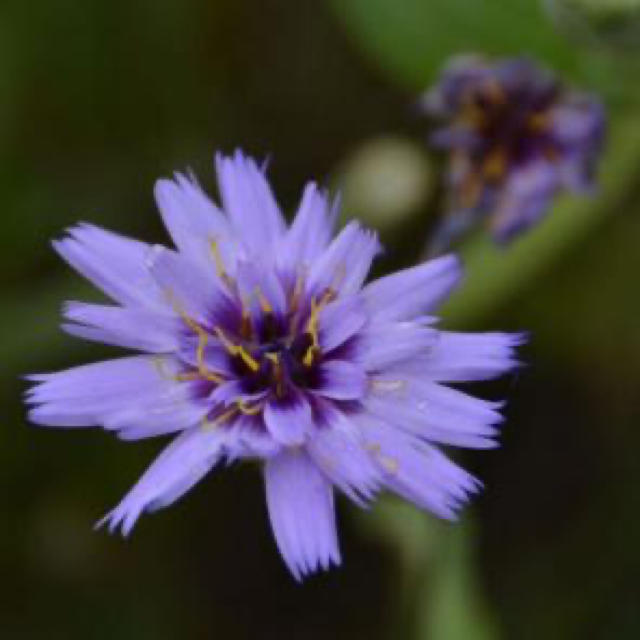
259,340
516,137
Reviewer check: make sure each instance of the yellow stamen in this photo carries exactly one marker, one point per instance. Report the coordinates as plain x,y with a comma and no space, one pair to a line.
207,424
203,370
203,338
246,328
217,258
312,324
265,305
237,350
279,374
185,376
177,308
312,330
188,376
249,410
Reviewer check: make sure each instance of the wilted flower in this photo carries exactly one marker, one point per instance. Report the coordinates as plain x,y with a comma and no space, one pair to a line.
515,137
259,341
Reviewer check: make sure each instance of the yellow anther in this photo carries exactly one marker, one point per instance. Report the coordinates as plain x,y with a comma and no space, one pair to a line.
203,337
249,410
237,350
203,370
273,357
177,307
217,258
185,376
207,424
265,305
246,328
310,354
278,372
312,331
312,324
188,376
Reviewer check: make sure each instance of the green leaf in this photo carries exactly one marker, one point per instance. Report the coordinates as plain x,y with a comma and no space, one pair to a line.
410,39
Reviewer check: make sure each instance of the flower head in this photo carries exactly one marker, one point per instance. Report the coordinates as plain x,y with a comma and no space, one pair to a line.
258,340
515,137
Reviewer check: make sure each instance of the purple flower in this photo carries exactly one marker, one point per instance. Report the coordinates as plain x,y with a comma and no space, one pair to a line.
516,137
258,340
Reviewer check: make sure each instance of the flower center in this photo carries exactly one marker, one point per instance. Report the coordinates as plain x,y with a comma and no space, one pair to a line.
267,353
512,125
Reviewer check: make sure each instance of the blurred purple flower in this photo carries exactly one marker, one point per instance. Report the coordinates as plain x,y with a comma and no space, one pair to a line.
516,137
259,341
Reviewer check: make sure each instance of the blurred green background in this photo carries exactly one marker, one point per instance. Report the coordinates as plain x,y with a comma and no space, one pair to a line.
99,98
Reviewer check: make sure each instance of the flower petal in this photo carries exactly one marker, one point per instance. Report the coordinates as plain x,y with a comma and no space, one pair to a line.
310,231
434,412
339,321
339,450
259,286
414,291
524,200
194,222
123,326
460,357
345,264
301,510
416,471
189,289
136,395
289,419
115,264
249,202
177,469
382,345
341,380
